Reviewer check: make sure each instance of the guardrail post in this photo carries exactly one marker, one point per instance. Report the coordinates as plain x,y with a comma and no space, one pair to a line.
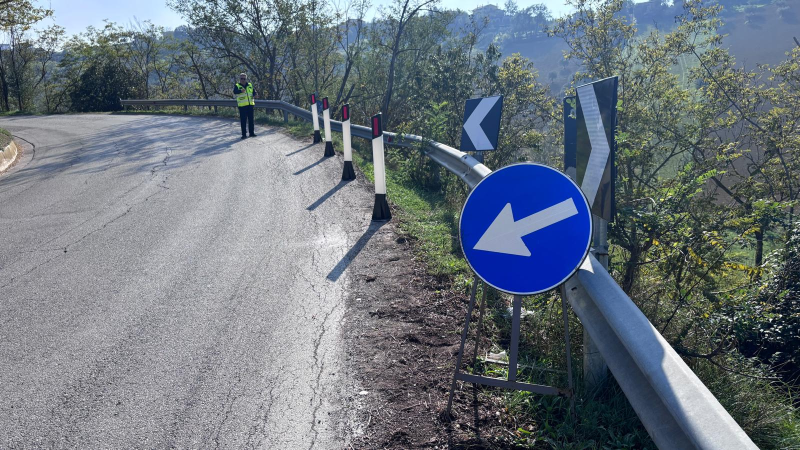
595,369
326,119
381,211
315,118
347,172
286,117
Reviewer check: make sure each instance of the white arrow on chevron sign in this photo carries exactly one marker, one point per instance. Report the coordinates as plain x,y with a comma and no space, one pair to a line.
473,125
505,235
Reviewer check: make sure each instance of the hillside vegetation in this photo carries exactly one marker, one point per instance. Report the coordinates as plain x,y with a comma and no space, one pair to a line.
706,236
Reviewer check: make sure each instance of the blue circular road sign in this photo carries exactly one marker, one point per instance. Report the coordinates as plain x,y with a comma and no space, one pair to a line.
526,228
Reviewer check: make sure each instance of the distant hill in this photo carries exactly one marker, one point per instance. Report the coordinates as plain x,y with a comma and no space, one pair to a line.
756,33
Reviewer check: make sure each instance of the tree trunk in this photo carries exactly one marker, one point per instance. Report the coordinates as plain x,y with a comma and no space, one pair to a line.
631,268
759,258
389,88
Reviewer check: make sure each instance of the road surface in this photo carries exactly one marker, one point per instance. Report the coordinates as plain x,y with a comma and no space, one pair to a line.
164,283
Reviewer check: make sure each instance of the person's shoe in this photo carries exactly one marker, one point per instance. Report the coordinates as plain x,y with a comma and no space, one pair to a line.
253,135
244,137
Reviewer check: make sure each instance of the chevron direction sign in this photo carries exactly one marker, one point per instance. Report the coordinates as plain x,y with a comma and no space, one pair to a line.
481,124
590,144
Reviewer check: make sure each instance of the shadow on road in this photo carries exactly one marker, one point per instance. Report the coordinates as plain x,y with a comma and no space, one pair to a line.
154,137
327,195
311,166
337,271
300,150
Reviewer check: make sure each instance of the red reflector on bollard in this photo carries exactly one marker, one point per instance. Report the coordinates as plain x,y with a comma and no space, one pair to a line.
345,112
313,99
325,103
376,126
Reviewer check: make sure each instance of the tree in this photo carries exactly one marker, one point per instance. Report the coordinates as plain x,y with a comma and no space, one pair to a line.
253,33
102,85
395,28
16,19
88,58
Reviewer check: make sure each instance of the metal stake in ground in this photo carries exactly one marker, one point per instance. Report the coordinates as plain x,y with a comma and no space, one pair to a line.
315,118
347,172
461,347
326,118
381,210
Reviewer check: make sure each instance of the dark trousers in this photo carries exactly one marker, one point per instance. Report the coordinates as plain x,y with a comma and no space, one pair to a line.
246,118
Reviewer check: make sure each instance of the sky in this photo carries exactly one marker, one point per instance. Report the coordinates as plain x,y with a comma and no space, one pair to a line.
76,15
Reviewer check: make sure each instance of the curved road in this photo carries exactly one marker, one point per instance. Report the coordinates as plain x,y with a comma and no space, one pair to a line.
164,283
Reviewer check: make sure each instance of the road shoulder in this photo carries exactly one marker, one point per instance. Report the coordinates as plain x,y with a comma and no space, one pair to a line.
402,331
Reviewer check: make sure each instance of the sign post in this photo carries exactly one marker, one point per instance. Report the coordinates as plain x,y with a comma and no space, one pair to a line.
315,117
326,119
524,230
589,155
347,172
381,211
480,133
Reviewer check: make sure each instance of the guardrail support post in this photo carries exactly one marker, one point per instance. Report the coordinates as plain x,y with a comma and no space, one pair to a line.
381,211
595,369
286,117
315,118
347,172
326,119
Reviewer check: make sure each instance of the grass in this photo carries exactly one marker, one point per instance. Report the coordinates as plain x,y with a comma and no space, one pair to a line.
423,215
5,138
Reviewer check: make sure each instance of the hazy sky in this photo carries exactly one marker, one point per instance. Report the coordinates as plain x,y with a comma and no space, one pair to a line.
76,15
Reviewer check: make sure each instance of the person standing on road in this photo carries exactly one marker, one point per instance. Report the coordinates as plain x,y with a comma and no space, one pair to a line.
245,99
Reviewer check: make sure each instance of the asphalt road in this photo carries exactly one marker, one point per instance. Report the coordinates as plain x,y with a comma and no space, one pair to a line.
164,283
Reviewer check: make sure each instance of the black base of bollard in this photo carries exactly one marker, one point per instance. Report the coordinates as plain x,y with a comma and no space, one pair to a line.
348,173
317,137
381,212
329,149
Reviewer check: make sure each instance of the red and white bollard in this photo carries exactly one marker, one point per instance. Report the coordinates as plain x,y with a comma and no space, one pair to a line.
347,173
315,118
326,119
381,210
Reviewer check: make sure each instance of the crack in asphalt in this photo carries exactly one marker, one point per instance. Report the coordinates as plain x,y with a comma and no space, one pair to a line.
64,249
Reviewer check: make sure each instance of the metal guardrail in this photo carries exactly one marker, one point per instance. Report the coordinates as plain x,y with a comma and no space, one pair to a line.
676,408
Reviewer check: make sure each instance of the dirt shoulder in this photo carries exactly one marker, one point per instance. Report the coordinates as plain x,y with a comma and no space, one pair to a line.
403,331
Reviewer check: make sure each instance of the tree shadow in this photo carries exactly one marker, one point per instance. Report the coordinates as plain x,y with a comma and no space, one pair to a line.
348,258
133,144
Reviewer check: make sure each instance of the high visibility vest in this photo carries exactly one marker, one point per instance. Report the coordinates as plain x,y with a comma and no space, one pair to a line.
245,97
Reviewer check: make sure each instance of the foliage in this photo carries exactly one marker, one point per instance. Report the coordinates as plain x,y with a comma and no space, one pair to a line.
101,86
770,324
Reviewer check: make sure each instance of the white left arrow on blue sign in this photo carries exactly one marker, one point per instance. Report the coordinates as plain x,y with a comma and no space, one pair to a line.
473,125
505,235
